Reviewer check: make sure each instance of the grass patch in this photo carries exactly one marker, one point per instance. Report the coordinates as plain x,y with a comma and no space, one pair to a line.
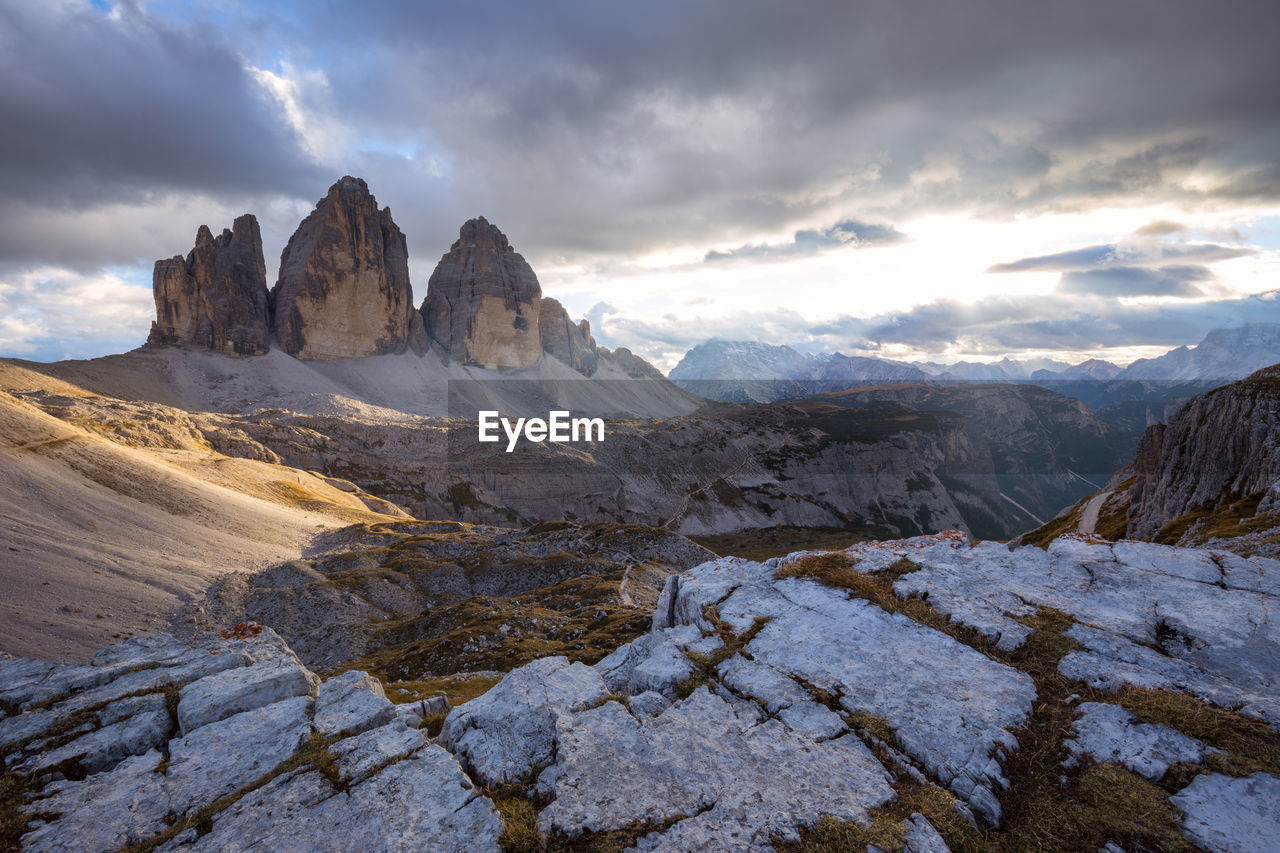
458,688
1251,745
13,823
838,570
1043,536
519,824
765,542
704,666
434,724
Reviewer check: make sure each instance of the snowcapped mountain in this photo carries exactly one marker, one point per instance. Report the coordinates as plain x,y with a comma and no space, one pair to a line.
1223,354
750,371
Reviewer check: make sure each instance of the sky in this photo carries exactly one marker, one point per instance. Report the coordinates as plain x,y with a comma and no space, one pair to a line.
961,180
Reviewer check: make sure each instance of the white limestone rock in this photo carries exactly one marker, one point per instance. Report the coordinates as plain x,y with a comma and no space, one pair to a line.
922,837
131,727
655,661
879,663
106,811
358,757
763,683
648,704
222,757
1109,661
1107,733
423,803
351,703
813,721
1229,815
503,734
1209,612
736,786
217,697
415,714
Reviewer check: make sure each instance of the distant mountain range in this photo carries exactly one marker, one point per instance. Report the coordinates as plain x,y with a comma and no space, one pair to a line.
751,371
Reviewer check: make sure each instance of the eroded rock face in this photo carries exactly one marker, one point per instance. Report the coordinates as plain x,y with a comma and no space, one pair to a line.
483,301
343,290
561,337
216,297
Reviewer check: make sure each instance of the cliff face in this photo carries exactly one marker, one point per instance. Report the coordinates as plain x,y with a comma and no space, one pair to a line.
1222,448
343,290
216,297
562,338
1211,476
483,301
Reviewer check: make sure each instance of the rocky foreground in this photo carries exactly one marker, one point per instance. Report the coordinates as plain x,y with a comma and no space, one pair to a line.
922,695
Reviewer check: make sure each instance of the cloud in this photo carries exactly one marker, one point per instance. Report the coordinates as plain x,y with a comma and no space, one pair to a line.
1160,228
1124,254
50,314
848,233
590,130
1137,281
1059,321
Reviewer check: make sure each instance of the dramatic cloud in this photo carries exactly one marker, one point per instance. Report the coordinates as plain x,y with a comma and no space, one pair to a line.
1137,281
1056,322
599,132
1112,255
811,241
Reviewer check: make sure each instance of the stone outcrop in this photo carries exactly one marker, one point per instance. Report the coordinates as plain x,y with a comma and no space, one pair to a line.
631,364
766,701
483,301
216,297
343,289
132,770
570,342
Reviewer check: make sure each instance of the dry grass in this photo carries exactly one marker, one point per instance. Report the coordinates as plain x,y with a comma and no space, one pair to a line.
704,666
766,542
1221,521
13,823
1251,745
458,688
519,823
838,570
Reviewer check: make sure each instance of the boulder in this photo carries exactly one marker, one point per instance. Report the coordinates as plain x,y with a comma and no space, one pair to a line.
483,301
216,297
343,289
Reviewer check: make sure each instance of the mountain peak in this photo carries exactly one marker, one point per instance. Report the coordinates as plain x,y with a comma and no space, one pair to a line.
481,234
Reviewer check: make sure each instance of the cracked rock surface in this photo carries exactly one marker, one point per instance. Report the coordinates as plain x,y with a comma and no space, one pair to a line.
1203,621
262,764
758,708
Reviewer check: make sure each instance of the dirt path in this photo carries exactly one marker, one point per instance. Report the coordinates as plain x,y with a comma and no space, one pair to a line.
1089,518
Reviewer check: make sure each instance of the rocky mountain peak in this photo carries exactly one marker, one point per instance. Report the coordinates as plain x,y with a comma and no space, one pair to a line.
481,234
482,302
344,290
216,297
